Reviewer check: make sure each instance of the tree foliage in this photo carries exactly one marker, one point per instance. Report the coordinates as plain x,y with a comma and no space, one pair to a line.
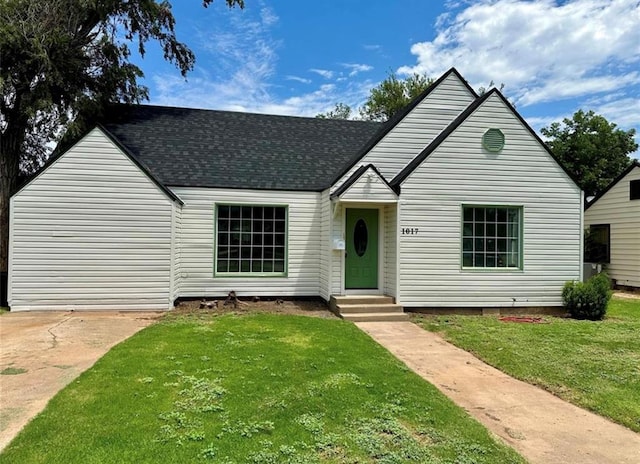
61,63
594,150
393,94
385,100
340,111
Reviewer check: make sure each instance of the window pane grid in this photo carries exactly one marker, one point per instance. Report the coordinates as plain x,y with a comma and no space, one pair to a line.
491,237
251,239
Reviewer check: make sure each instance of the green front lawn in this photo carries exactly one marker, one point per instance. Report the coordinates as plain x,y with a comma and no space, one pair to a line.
595,365
260,388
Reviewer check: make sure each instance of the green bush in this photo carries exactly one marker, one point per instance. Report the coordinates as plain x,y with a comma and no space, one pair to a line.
588,300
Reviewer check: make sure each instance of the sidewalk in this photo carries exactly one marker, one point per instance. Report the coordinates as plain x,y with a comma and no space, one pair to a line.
537,424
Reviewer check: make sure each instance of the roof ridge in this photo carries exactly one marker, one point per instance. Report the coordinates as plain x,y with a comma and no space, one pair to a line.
245,113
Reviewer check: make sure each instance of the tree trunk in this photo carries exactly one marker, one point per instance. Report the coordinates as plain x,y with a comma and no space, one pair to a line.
9,173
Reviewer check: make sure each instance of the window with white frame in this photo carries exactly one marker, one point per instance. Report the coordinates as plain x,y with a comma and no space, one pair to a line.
251,239
491,237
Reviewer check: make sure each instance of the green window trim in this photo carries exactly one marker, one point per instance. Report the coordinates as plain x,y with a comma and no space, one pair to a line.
250,240
491,238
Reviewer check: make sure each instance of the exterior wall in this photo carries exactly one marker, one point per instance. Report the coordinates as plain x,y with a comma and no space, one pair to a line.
386,241
461,172
390,241
411,135
177,269
91,232
325,245
623,216
369,187
196,244
337,215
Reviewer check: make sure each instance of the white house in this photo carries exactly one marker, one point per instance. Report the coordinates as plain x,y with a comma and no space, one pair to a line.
613,219
454,203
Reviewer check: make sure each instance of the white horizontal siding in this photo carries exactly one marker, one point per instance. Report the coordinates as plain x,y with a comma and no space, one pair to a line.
196,244
461,172
417,129
369,187
623,216
176,272
91,232
390,243
325,245
337,256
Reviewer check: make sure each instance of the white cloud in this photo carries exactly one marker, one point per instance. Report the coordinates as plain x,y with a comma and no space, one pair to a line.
583,52
298,79
625,111
569,87
541,50
245,57
236,71
268,17
356,68
323,72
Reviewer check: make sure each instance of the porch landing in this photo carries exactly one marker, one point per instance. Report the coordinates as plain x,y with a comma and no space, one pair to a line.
367,308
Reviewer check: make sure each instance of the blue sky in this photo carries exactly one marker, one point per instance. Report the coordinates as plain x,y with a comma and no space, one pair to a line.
299,57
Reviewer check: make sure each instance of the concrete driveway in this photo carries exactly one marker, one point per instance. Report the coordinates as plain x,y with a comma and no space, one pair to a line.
41,352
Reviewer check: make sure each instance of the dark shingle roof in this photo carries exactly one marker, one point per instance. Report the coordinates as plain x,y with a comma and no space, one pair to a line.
205,148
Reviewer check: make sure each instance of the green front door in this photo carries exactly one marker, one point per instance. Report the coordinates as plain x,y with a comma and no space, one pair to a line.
361,259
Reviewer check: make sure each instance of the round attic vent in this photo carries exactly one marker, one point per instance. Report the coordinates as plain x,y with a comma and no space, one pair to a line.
493,140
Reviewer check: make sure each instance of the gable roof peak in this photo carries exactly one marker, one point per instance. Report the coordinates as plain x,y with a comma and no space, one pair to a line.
634,164
417,161
357,175
399,116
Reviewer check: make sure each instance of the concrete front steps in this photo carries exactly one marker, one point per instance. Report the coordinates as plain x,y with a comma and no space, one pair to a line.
367,308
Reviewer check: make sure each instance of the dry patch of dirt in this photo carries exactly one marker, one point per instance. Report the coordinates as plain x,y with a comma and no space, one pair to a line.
314,308
627,294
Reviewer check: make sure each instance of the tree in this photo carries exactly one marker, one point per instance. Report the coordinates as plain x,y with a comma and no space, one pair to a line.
393,94
591,148
384,100
62,62
340,111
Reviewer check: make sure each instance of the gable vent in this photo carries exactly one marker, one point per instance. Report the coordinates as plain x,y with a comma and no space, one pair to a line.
493,140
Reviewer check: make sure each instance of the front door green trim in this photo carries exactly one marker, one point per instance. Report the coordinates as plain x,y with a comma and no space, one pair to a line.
361,258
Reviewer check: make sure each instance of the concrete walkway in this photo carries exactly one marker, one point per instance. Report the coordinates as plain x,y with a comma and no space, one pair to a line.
41,352
539,425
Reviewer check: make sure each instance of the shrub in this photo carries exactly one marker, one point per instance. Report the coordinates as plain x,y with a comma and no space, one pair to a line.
588,300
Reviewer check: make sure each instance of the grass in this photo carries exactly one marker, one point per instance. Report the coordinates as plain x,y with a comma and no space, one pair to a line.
3,310
595,365
260,388
12,371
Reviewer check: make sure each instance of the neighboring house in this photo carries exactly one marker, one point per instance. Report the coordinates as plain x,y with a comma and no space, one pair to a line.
613,221
454,203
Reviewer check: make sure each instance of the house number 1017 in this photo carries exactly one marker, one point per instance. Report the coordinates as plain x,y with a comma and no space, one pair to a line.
409,231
